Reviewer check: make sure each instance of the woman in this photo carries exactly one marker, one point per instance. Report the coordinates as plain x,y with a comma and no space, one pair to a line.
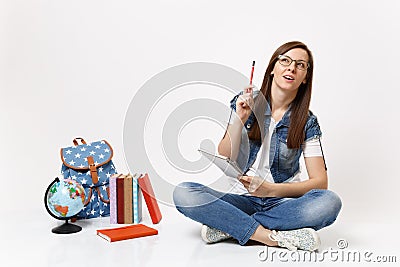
266,136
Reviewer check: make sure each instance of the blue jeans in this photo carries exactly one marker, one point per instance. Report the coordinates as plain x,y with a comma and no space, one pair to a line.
240,215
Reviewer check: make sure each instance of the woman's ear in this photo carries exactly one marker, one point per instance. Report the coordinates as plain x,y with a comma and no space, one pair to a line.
272,73
304,81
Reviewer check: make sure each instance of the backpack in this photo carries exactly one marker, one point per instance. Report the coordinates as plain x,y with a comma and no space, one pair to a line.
91,166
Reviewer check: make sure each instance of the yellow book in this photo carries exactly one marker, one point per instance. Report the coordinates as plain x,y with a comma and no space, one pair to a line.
128,182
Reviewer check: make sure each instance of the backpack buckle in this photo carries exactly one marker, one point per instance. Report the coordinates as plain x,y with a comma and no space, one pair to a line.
93,170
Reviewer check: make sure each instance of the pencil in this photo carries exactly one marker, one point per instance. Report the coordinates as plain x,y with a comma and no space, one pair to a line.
252,72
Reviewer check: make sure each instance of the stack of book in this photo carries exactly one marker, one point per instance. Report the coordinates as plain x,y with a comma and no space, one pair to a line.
126,201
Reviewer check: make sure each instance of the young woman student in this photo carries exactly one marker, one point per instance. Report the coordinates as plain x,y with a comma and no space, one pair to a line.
269,130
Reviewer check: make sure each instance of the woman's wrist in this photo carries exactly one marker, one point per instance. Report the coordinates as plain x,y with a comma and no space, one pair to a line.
273,190
239,120
270,189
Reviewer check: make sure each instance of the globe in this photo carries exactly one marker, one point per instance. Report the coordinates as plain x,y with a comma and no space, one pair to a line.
63,200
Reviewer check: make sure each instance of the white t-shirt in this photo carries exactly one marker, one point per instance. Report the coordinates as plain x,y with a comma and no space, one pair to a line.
261,166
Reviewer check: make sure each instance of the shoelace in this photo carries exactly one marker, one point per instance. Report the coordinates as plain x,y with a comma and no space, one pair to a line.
284,241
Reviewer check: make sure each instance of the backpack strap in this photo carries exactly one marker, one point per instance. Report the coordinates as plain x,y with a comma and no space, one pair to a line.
93,170
101,196
88,197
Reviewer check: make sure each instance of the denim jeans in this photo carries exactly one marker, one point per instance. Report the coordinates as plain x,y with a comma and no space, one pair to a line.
240,215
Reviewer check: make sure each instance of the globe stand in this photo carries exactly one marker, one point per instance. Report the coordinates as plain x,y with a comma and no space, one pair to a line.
66,228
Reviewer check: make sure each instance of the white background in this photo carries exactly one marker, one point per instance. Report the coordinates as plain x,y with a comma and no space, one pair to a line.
70,68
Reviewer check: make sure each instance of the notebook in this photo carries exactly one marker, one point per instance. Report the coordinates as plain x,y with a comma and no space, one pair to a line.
126,232
229,167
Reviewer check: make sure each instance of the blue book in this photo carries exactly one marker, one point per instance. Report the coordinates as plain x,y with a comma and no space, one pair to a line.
136,200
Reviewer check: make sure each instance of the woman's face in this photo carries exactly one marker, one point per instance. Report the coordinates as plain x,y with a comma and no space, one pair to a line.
288,74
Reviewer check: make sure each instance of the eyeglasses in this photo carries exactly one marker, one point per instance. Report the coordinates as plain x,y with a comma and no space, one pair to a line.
287,61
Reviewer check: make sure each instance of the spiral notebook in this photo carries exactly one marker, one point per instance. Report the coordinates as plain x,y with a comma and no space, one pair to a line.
228,166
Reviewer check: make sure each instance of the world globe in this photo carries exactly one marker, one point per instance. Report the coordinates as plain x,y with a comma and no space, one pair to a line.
63,200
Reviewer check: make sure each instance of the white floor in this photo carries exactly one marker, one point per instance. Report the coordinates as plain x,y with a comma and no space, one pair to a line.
26,240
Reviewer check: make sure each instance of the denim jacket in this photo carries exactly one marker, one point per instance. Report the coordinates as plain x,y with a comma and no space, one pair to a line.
283,162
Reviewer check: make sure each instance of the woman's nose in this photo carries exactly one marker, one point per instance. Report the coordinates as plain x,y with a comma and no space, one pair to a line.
292,66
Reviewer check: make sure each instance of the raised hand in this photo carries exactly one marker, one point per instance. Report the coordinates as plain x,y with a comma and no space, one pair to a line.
245,103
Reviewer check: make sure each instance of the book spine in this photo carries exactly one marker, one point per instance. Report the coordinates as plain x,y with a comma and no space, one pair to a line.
150,199
140,202
128,218
113,199
136,201
120,200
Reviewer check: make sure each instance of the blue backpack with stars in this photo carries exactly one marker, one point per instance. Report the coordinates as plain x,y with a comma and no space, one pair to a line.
90,164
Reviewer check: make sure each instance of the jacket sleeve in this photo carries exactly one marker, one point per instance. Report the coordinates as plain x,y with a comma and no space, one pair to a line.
313,129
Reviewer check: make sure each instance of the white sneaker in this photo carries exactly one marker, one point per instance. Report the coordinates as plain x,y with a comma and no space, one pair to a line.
304,238
211,235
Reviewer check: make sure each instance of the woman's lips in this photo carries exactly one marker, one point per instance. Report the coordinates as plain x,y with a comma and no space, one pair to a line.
288,78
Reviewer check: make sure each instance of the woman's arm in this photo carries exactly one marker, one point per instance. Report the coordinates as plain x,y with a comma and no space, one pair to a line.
318,179
230,143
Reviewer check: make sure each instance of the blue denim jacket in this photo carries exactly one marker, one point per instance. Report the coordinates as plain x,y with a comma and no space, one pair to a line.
284,162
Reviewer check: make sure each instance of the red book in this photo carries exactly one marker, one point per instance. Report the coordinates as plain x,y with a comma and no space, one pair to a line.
120,199
150,198
126,232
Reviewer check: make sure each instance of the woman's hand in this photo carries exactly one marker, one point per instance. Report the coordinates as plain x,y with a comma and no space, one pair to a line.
257,186
245,103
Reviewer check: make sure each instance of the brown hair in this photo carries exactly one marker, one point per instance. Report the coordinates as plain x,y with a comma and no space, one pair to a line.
299,106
